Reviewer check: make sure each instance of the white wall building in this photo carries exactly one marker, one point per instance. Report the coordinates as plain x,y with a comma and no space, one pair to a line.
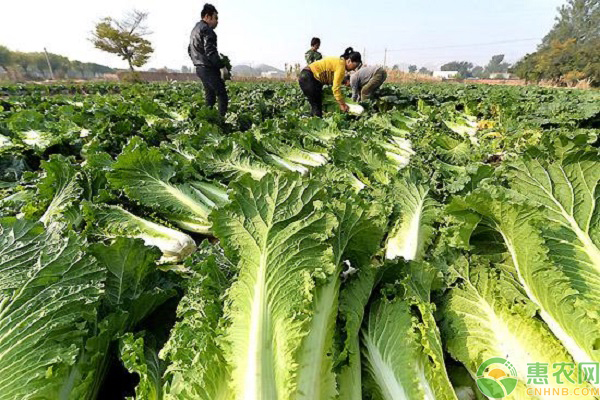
445,74
500,75
272,74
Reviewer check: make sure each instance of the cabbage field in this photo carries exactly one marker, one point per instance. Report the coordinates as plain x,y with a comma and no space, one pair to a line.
150,251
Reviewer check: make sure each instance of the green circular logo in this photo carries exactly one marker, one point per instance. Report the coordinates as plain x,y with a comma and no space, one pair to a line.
496,378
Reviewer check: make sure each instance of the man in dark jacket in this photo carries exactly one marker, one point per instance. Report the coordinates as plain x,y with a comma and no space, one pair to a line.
204,55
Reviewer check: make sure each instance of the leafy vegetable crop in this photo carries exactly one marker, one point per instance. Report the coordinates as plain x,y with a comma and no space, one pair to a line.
384,255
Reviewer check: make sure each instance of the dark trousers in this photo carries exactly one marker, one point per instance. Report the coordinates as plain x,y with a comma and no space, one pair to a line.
313,90
214,87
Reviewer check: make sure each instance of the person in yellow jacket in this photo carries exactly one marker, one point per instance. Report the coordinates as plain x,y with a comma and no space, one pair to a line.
328,71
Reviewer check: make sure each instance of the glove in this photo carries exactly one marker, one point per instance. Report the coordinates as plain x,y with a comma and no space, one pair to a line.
225,74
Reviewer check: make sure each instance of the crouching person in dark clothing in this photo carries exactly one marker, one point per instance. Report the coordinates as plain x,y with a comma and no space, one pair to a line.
366,81
204,55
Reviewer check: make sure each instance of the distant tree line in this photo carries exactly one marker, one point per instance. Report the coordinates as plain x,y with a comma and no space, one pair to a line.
466,69
412,69
34,66
570,52
568,55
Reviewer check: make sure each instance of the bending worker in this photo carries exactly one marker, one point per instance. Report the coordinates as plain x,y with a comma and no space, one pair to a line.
313,54
366,81
328,71
204,55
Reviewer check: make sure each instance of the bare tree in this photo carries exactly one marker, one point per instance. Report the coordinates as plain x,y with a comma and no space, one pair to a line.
125,38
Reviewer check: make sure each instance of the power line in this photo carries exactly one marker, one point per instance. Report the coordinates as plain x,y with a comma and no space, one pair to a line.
460,45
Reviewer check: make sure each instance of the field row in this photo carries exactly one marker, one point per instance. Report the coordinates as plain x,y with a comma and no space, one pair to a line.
149,248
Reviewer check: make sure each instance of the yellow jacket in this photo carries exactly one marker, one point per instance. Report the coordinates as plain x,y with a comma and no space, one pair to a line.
330,71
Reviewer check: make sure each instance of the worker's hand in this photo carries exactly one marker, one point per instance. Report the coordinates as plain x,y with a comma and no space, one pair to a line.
344,107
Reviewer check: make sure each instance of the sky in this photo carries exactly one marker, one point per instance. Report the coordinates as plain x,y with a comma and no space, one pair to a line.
275,32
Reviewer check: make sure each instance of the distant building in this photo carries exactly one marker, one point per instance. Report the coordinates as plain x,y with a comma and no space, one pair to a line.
445,74
164,70
272,74
500,75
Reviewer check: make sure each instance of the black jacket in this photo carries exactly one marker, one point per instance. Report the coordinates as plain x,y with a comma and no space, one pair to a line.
203,46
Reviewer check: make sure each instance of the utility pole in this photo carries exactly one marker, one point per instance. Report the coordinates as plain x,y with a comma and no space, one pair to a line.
385,58
49,65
